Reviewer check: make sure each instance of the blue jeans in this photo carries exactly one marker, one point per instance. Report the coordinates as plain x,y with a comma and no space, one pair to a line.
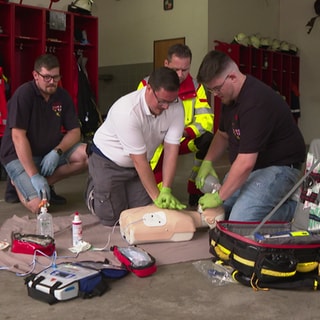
262,191
22,180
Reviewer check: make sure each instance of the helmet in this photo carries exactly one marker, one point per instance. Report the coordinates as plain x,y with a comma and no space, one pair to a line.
293,49
254,40
284,46
265,42
275,45
81,6
242,39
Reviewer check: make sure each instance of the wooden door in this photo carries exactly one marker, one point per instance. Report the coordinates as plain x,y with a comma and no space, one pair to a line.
160,49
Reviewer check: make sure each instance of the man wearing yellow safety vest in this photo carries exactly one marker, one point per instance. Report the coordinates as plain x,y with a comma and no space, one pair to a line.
198,120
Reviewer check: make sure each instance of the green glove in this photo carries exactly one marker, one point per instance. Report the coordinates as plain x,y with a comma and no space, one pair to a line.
205,169
210,200
166,200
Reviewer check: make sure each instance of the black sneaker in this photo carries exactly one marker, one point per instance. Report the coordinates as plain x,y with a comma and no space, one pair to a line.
11,195
56,199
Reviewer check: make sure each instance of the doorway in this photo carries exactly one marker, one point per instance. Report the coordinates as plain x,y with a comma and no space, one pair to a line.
160,49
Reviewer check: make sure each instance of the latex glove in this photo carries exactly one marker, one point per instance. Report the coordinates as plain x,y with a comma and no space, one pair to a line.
41,185
205,169
166,200
49,163
210,200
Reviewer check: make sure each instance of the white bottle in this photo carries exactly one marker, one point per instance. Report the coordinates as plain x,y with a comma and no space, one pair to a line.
44,222
76,229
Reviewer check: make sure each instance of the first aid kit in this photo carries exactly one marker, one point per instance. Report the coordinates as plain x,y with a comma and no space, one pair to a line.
267,254
32,244
272,258
136,260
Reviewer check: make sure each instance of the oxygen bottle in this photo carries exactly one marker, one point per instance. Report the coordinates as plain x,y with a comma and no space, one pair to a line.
76,229
211,184
44,219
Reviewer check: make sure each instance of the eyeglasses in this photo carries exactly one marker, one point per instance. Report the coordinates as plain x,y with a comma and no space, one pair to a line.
48,77
163,102
217,89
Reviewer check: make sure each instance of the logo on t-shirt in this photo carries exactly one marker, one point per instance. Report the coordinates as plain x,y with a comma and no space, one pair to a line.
57,108
235,127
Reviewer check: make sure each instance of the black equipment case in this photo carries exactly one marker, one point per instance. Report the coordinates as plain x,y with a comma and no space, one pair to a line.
290,261
276,255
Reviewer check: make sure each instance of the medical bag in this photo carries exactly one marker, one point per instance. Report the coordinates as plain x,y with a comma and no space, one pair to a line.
136,260
282,255
276,257
32,244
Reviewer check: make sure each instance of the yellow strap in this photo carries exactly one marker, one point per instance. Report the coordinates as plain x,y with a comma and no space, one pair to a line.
244,261
315,285
278,274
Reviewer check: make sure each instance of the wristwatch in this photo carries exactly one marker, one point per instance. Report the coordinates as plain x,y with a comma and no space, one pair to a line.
58,151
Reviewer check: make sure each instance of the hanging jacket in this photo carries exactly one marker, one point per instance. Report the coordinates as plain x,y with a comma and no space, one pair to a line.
3,103
198,116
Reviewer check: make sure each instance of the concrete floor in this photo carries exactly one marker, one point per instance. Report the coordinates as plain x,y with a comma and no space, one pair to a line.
175,292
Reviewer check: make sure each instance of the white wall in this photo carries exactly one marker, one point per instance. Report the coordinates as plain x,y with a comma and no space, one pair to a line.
230,17
61,5
127,29
294,16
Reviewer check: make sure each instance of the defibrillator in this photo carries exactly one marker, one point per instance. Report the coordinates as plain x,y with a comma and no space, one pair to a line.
64,281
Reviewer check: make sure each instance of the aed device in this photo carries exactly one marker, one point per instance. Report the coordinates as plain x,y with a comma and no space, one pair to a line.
64,281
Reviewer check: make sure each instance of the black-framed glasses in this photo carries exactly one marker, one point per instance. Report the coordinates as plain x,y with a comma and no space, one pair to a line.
48,77
217,89
163,102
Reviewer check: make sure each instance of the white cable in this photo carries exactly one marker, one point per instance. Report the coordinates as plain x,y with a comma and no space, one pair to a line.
55,256
108,241
34,262
131,223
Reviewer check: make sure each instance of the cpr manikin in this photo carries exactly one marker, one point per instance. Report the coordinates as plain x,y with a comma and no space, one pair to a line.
152,224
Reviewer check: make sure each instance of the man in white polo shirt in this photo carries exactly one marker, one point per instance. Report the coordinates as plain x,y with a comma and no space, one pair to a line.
120,176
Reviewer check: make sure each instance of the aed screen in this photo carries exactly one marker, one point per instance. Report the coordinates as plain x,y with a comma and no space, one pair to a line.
62,274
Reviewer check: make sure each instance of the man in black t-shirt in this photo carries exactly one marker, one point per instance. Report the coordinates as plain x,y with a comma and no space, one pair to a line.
41,144
266,147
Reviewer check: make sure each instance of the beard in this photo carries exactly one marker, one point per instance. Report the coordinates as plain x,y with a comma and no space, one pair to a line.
51,89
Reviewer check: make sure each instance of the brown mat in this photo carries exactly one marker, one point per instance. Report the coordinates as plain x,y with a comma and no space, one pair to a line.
99,237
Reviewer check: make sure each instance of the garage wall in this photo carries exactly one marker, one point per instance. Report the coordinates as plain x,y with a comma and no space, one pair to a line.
127,29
